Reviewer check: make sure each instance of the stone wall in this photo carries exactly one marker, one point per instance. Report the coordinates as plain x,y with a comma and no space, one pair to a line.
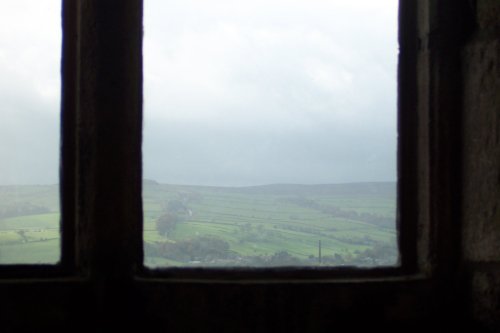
481,167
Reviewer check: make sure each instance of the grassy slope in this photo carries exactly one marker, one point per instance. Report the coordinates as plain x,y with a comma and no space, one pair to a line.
40,243
276,223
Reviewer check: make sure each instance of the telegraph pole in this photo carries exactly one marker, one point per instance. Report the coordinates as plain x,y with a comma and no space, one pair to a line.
319,251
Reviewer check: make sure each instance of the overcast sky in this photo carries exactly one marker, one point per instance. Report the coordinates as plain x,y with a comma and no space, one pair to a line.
30,46
270,91
236,92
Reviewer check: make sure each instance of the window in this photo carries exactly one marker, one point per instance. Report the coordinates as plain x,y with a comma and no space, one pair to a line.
270,133
29,131
85,180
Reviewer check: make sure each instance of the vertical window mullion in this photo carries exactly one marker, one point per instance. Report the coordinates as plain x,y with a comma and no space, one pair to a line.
408,168
109,138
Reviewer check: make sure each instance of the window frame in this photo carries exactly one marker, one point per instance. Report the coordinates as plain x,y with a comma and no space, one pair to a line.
93,138
101,280
407,189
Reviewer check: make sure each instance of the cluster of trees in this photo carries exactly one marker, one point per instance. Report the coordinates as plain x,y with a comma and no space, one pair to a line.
174,212
378,220
211,250
247,232
21,209
302,228
166,223
379,254
280,258
202,249
22,234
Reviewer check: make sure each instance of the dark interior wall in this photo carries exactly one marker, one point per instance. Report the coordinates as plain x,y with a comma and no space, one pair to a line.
481,165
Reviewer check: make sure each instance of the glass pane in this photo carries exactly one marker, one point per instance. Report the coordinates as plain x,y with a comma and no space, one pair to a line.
30,48
270,133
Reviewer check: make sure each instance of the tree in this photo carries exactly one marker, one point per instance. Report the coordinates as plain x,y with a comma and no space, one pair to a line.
167,223
22,234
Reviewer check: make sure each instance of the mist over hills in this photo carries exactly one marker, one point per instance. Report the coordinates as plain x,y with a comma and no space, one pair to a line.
385,189
382,189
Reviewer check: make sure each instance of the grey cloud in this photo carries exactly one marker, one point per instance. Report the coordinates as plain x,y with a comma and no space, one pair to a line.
199,154
296,94
224,106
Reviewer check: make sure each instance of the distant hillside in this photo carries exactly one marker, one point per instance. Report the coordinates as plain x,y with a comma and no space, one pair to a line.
268,225
384,189
38,193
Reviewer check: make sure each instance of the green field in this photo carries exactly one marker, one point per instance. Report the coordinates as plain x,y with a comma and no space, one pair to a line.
271,225
29,224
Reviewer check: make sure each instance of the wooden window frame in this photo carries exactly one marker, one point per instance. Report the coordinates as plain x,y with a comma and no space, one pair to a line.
101,135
